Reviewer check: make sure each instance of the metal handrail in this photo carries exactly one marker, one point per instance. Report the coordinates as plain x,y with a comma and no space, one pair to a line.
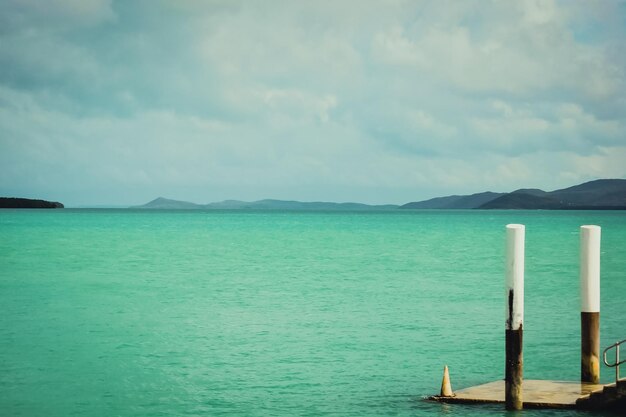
617,362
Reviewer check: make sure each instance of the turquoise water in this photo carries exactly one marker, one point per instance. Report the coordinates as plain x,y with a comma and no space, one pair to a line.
208,313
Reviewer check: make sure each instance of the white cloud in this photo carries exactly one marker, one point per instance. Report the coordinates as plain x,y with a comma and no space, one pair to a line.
522,49
399,97
607,163
565,127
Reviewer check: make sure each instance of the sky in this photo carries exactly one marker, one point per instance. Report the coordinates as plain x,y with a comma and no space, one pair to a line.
108,102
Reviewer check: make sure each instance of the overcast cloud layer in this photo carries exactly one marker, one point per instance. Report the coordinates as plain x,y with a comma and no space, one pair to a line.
107,102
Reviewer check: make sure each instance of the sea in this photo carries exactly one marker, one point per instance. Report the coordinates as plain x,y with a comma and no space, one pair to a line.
295,313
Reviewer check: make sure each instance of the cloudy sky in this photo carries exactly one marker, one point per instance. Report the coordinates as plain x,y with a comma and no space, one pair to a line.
118,102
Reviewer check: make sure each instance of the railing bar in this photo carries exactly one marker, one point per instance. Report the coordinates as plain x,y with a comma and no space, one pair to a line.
617,362
615,344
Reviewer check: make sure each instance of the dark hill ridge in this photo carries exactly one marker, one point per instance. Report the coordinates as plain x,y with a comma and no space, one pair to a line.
595,193
599,194
19,203
522,201
454,201
592,195
531,191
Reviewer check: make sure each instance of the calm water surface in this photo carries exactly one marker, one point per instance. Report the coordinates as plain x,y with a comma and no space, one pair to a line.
209,313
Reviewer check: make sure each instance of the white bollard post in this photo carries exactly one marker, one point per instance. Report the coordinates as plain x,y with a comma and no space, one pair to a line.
590,303
514,364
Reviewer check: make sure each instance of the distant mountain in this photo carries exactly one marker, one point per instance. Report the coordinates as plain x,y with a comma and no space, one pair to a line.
434,203
167,204
521,201
454,201
599,194
592,195
17,203
299,205
531,191
164,203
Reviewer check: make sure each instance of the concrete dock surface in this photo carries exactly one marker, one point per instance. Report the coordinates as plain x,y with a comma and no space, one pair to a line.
536,393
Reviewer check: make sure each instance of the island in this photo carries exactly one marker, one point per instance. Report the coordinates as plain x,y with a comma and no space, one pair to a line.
27,203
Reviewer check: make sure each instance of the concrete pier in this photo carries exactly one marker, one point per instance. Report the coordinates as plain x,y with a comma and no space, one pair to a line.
537,394
547,394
